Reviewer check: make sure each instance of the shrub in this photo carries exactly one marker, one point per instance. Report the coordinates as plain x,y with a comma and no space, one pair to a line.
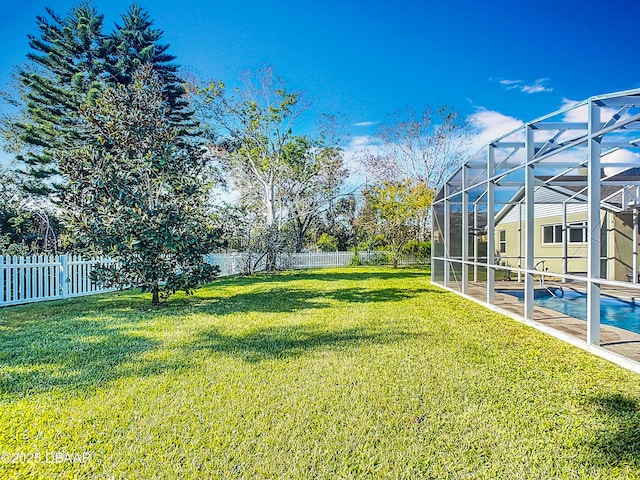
327,243
421,251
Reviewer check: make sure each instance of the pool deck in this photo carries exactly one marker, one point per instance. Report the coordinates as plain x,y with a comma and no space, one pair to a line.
616,340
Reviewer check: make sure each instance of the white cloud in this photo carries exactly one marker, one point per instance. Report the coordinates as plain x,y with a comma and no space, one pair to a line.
539,85
580,114
361,142
365,124
489,125
620,156
511,84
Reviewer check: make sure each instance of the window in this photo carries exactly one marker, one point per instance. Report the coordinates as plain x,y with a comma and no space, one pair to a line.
502,241
552,234
577,232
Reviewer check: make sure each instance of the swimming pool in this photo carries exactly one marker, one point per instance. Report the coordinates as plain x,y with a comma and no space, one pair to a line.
613,311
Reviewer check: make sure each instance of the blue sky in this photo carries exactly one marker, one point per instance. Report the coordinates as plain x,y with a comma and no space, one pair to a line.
498,61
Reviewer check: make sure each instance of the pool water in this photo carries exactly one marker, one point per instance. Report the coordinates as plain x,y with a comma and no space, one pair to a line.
613,311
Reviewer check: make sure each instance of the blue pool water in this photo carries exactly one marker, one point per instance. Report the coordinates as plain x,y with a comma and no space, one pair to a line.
613,311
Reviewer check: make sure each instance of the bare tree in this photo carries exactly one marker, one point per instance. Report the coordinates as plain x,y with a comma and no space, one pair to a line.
424,147
257,126
28,225
288,178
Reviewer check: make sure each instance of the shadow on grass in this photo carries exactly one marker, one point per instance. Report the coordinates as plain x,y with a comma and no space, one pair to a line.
292,341
622,442
75,344
83,343
362,295
287,300
73,348
351,274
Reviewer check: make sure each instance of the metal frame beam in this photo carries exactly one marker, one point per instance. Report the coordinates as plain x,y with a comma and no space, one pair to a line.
593,218
529,245
464,235
636,227
491,235
560,126
446,237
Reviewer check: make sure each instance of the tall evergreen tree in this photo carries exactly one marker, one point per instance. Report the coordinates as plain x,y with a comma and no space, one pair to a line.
135,43
70,63
65,70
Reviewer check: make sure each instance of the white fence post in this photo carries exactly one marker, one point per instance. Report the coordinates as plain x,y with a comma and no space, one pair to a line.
3,296
15,276
63,279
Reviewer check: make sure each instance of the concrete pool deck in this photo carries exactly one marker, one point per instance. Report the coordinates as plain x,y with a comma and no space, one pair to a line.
616,340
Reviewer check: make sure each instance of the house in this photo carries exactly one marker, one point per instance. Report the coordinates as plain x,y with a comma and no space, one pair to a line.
560,232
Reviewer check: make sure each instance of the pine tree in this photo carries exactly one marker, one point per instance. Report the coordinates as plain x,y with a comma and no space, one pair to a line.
135,43
71,62
66,69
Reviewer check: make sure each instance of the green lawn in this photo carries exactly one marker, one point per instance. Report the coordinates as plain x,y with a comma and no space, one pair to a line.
345,373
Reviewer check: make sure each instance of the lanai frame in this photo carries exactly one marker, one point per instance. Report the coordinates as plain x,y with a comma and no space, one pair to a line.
554,152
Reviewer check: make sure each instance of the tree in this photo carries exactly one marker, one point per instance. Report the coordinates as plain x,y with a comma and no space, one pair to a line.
135,43
259,139
65,69
421,146
26,227
290,179
311,184
70,63
393,210
240,229
327,243
137,194
339,221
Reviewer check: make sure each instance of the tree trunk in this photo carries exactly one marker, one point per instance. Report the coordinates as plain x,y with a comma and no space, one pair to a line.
299,236
272,247
270,205
272,229
396,251
422,227
155,294
299,244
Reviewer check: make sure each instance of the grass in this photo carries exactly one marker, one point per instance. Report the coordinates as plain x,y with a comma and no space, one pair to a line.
346,373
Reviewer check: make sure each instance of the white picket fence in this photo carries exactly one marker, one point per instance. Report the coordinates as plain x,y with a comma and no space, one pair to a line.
320,260
48,277
236,263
